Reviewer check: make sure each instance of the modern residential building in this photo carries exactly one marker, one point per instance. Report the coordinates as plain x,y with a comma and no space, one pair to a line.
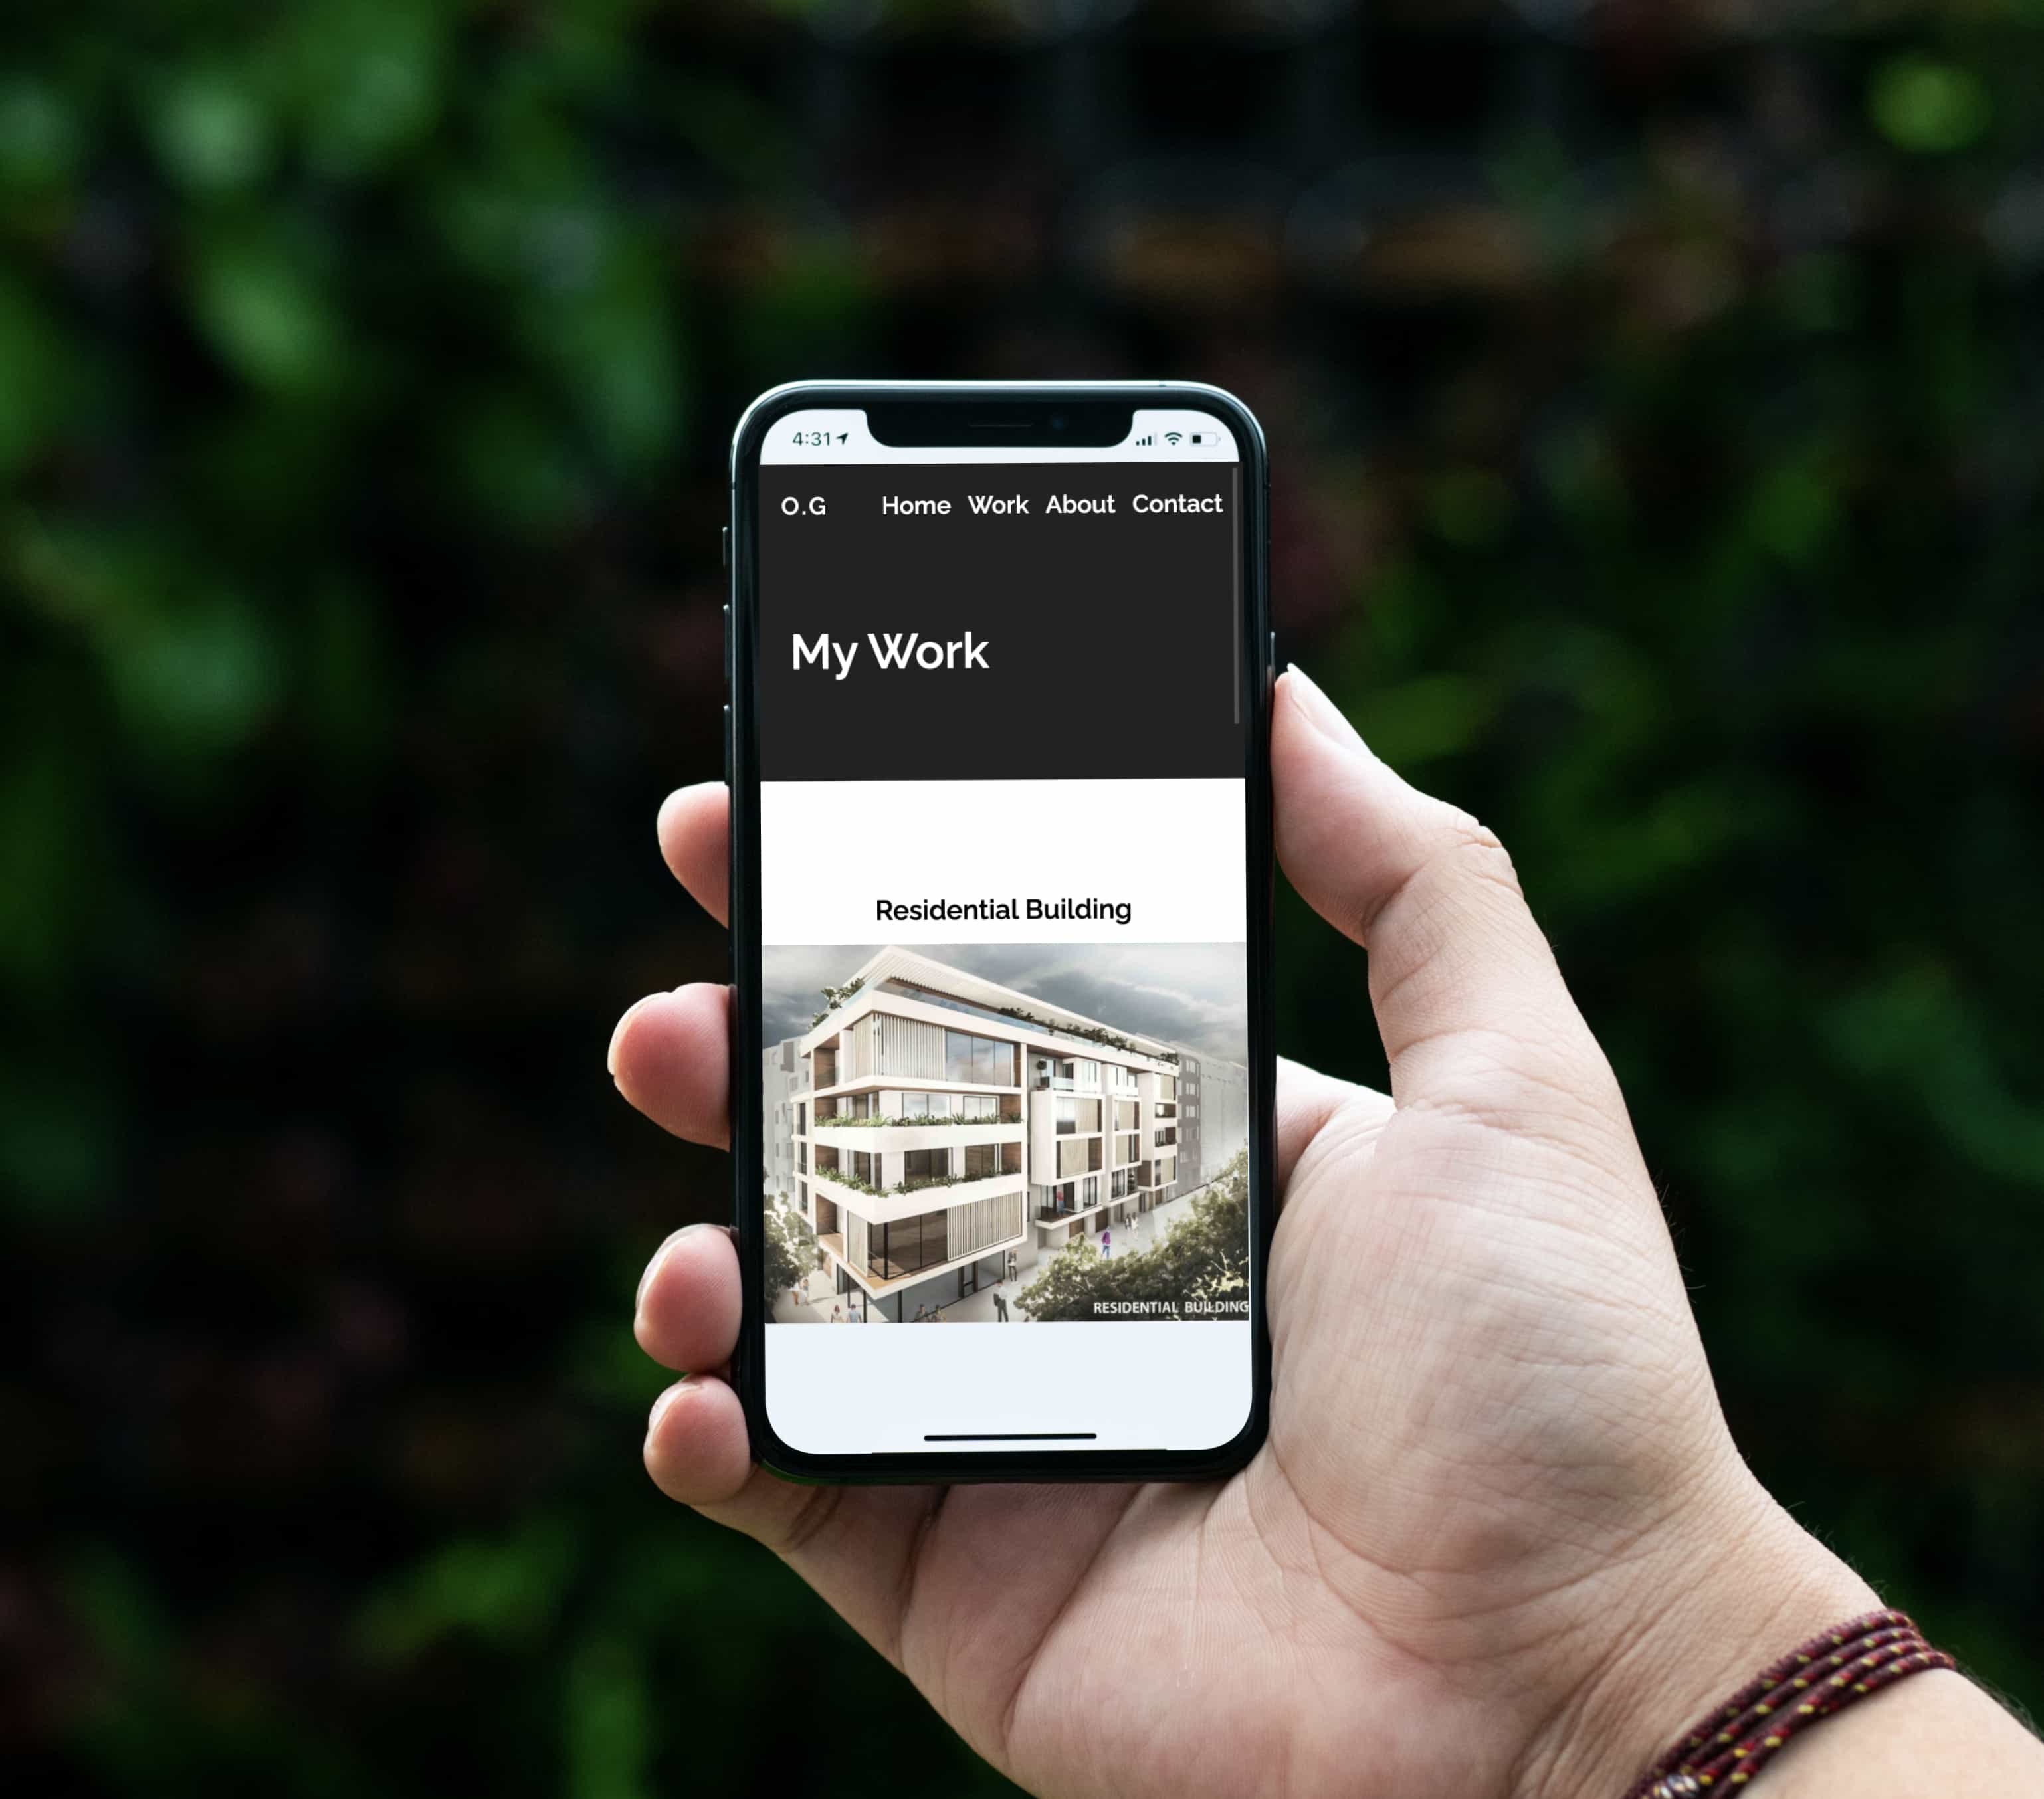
1192,1168
1213,1117
781,1074
947,1129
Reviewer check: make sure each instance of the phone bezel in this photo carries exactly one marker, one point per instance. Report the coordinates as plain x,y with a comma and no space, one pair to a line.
1030,406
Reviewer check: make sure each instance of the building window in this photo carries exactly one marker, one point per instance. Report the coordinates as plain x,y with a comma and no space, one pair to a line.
922,1167
1124,1114
984,1159
1076,1114
984,1060
894,1250
1052,1199
1126,1148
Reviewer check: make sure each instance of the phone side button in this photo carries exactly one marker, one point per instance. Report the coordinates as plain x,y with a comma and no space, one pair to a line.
726,745
724,545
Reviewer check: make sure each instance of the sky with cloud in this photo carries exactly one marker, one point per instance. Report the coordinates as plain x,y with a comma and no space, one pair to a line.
1192,995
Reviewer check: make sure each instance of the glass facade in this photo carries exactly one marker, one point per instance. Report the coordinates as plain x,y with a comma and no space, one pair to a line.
894,1250
984,1060
905,1105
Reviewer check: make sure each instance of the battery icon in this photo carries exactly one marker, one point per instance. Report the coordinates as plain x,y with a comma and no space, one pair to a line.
1198,438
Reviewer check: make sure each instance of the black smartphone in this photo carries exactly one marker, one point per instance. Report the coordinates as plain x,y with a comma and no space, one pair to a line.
999,665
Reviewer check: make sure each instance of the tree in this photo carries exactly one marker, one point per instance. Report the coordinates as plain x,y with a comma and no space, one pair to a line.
792,1248
833,997
1200,1270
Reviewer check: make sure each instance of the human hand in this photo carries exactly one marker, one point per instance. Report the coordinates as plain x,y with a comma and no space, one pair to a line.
1499,1540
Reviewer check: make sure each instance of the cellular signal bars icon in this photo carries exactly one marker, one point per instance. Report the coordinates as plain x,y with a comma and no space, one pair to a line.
1142,442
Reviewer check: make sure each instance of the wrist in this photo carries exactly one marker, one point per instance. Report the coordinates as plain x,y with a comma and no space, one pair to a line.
1726,1586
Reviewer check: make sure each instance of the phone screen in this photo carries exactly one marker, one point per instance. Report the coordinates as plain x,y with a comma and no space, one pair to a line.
1002,737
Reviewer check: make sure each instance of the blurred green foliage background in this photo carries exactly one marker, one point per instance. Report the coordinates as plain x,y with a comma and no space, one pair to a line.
1653,391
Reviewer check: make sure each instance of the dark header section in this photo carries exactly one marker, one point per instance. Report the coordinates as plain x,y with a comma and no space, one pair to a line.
999,622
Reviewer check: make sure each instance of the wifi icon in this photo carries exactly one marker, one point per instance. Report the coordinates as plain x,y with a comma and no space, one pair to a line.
1173,436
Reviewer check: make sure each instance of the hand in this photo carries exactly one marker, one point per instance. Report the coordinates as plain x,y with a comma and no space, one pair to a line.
1499,1540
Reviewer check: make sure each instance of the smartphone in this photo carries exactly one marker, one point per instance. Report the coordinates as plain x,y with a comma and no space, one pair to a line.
999,665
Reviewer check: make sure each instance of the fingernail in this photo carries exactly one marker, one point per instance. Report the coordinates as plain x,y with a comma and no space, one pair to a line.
617,1035
1319,711
660,1406
659,1256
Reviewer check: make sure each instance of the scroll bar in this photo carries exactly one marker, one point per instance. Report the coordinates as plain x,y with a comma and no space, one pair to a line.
1234,562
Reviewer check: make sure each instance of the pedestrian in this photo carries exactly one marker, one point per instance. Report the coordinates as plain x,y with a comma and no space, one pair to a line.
922,1315
1000,1306
837,1314
1011,1265
1107,1243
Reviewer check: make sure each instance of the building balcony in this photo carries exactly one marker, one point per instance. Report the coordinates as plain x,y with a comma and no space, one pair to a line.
846,1136
919,1083
912,1197
1051,1220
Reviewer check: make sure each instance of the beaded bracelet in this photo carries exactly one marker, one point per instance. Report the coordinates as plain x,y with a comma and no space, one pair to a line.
1825,1675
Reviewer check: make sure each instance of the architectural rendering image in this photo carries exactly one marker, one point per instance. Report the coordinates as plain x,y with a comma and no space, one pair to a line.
942,1146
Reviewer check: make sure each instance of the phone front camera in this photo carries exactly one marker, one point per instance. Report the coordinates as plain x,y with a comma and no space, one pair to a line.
1057,421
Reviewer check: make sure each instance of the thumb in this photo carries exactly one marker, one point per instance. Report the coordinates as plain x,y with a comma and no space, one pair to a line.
1469,1003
